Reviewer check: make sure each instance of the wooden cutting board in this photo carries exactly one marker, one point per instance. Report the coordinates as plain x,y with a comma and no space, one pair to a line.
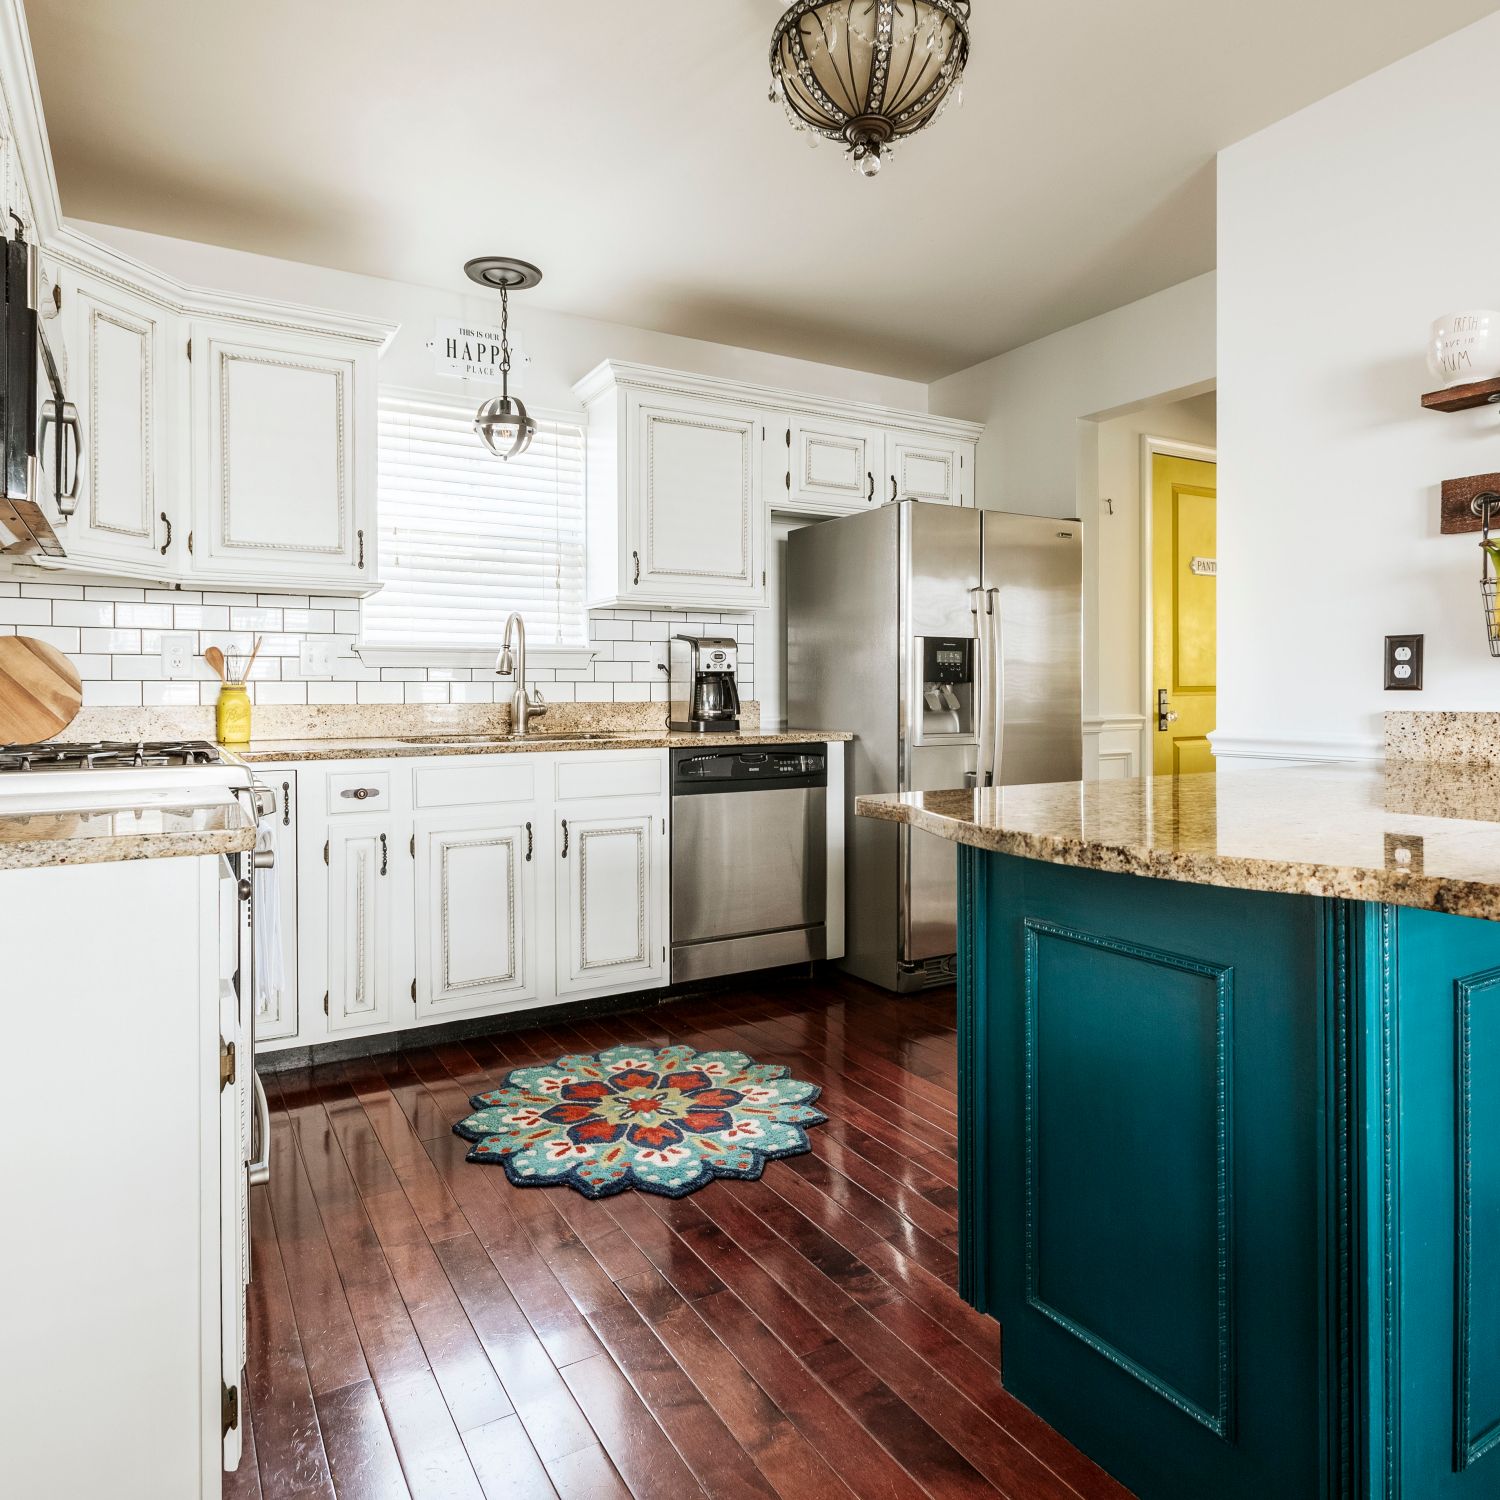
40,691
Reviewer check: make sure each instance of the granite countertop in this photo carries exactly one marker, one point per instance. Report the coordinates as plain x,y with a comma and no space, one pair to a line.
91,836
286,750
1411,833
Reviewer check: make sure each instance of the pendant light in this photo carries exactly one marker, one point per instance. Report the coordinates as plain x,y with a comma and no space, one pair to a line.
867,73
503,421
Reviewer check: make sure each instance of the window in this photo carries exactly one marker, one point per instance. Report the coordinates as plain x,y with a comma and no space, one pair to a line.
465,538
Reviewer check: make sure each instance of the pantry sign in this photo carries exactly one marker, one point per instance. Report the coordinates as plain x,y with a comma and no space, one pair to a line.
468,353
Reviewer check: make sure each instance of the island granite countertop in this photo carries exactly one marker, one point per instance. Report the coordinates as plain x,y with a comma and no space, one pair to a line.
101,835
1411,833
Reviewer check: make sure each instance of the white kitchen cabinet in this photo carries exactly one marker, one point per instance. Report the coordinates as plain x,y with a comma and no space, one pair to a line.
276,1008
611,914
476,929
920,466
826,465
282,456
120,351
369,924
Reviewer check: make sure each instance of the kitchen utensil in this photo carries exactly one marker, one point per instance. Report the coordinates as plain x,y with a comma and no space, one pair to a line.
254,652
215,658
40,691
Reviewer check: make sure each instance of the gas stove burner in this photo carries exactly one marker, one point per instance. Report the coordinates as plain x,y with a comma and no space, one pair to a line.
113,755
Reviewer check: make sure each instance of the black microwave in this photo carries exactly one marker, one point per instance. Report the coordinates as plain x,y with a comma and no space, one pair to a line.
41,449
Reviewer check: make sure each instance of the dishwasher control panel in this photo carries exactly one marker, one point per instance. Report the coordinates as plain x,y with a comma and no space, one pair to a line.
746,767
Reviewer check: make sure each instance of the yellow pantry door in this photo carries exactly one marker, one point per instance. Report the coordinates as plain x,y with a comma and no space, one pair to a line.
1184,613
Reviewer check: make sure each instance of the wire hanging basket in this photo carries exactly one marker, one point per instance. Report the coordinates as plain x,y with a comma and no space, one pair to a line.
1487,506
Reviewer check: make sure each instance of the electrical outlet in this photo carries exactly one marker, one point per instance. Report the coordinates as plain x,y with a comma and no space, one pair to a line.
315,659
1403,663
177,651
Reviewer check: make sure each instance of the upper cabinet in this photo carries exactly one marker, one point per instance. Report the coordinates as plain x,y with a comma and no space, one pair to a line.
283,457
119,370
685,470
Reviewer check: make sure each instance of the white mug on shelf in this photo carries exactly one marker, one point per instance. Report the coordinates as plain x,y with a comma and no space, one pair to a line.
1465,346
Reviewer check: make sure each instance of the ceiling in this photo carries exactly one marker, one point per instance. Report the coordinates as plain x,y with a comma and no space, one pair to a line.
628,147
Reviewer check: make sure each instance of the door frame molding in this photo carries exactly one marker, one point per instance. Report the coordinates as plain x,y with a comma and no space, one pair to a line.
1169,448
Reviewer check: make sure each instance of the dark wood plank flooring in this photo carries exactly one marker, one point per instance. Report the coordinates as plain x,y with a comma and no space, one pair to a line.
420,1328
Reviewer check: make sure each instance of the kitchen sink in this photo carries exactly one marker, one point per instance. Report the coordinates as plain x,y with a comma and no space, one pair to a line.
513,739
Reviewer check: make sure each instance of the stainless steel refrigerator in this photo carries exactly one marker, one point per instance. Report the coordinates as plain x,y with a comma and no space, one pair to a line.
949,640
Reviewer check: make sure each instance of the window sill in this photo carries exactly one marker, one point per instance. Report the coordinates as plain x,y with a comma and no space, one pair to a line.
573,657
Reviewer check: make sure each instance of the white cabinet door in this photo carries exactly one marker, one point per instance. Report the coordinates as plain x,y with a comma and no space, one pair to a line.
697,532
120,347
832,466
476,909
924,467
610,897
276,1002
283,457
369,914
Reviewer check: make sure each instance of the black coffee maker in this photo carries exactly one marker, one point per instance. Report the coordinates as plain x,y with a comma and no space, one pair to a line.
705,698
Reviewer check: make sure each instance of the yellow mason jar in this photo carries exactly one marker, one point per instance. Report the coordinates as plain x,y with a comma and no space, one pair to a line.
232,715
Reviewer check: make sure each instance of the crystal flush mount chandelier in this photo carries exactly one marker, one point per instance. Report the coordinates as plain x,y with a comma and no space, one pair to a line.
867,73
503,421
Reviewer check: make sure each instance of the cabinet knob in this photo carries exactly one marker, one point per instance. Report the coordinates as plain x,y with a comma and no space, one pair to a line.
359,793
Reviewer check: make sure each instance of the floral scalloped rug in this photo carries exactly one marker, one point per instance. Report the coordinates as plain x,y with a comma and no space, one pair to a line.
666,1121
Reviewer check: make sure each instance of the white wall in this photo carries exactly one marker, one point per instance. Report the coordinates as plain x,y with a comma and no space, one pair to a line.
1343,230
1042,406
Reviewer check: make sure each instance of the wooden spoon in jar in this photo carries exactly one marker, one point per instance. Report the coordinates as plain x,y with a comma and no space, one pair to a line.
215,658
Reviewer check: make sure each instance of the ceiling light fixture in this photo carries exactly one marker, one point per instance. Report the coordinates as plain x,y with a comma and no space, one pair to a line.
869,72
502,421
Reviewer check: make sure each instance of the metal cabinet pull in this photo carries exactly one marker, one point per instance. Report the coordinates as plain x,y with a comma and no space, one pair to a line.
259,1170
263,859
286,804
167,522
361,535
637,557
893,486
528,843
870,475
565,838
359,793
385,862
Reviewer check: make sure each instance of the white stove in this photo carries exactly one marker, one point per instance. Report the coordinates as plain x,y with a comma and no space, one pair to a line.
56,777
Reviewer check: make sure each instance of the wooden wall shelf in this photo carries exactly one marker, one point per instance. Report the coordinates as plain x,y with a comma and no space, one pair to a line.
1463,397
1458,495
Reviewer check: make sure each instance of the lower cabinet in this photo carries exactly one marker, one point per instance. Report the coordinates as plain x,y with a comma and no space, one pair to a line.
369,927
476,931
426,889
609,911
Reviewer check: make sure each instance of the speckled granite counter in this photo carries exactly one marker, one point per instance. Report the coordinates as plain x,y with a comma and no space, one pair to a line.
279,751
92,836
1415,833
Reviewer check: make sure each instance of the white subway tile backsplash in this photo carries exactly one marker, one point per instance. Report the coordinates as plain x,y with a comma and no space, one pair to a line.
113,635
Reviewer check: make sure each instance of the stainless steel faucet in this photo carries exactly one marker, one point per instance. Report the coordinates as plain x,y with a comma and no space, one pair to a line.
523,707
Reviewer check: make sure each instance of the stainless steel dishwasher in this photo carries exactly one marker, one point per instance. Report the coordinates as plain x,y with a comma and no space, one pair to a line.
749,858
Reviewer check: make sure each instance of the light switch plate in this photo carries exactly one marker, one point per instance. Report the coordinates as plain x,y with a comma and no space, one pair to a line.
315,659
1403,663
177,651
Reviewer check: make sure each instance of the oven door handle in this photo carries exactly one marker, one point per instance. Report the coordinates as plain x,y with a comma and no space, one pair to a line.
259,1166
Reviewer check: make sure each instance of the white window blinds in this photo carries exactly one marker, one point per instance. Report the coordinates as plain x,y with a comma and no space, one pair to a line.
465,538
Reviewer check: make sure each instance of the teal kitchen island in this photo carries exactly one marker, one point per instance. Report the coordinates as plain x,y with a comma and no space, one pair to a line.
1229,1060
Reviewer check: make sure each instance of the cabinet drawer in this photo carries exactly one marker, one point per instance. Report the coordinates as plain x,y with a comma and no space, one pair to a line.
359,791
610,775
460,785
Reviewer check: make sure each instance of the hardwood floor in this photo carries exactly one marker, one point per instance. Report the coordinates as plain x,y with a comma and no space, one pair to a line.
418,1327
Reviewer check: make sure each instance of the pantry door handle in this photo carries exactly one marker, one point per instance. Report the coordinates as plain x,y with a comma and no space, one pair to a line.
528,843
565,838
384,855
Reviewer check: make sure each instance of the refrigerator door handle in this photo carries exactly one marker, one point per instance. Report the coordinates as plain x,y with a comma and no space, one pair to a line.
983,672
997,686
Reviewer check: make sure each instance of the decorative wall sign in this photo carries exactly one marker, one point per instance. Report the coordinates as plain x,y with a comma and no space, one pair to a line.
469,353
1205,567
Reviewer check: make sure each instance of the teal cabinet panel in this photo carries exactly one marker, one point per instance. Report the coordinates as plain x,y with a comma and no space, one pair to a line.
1157,1132
1442,1323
